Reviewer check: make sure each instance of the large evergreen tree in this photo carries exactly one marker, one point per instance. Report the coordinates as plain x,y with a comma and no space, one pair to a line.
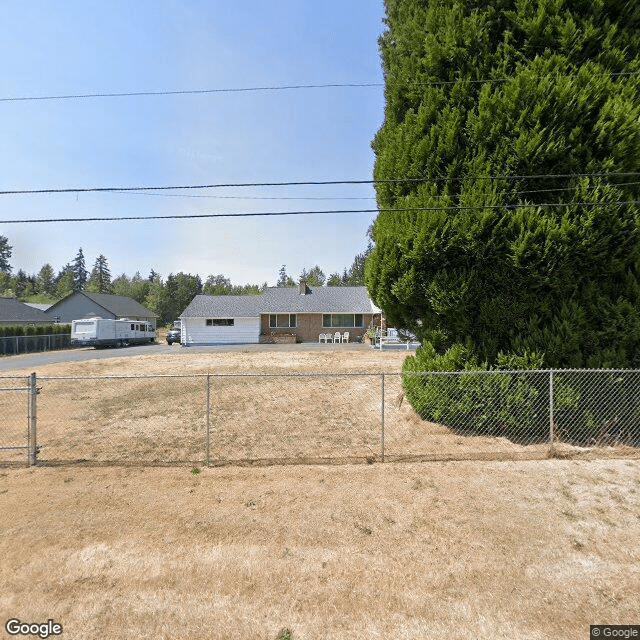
80,273
497,110
100,278
157,299
5,254
64,282
45,280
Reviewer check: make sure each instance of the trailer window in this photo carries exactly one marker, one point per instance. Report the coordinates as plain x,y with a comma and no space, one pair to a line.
84,326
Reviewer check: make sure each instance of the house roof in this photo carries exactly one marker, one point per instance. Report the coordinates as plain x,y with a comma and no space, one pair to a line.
283,300
12,310
120,306
223,307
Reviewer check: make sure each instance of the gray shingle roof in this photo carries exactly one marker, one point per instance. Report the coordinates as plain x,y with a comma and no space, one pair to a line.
282,300
120,306
223,307
12,310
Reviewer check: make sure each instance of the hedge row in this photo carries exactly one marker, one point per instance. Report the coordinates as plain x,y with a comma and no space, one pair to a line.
590,407
34,330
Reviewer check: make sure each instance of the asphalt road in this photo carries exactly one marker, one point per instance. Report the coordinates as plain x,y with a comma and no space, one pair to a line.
35,360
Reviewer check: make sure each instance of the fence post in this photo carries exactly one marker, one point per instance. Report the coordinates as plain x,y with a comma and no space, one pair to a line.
32,446
551,412
382,420
208,411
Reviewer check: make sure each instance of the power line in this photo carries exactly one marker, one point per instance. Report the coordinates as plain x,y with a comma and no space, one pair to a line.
123,94
330,85
306,213
433,196
191,195
619,174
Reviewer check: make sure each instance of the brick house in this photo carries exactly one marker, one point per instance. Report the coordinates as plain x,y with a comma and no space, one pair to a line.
303,312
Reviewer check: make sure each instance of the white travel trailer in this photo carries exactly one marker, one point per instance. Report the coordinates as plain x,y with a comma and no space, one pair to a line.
106,332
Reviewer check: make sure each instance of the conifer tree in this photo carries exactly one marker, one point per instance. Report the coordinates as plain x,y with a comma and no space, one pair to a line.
80,273
508,116
284,279
100,279
5,254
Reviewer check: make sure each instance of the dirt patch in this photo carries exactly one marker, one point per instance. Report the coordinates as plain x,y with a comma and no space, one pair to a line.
492,551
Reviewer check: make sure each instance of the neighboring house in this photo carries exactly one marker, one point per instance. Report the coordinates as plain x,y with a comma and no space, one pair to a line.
81,304
303,311
14,312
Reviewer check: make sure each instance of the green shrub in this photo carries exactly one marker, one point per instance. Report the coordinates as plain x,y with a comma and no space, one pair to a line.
590,407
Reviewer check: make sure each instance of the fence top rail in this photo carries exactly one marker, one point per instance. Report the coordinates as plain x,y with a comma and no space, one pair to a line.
221,375
337,374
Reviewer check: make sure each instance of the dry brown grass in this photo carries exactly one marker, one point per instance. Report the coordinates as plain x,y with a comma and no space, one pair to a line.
488,550
287,417
498,550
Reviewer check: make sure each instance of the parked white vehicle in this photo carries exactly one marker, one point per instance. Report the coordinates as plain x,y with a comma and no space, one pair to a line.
106,332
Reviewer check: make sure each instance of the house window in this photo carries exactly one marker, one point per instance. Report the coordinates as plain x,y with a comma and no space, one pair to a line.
282,320
219,322
342,320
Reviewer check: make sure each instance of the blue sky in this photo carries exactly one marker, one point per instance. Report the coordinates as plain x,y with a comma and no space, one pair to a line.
81,47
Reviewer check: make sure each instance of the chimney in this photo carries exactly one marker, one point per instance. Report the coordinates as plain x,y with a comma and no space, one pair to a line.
302,287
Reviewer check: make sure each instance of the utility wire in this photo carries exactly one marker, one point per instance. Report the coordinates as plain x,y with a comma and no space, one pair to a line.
320,182
306,213
432,196
178,92
191,195
123,94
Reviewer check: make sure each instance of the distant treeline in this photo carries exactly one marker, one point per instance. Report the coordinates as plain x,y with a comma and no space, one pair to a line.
166,297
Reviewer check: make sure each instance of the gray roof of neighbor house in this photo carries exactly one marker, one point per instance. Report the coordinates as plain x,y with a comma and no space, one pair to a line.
12,310
283,300
121,306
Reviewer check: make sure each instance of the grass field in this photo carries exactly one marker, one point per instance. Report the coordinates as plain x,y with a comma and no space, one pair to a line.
330,409
534,549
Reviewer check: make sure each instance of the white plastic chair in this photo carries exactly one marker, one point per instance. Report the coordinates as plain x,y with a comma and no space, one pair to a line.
321,337
336,336
345,336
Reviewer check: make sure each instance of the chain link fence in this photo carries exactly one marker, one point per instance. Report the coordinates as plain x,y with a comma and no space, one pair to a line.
321,417
18,420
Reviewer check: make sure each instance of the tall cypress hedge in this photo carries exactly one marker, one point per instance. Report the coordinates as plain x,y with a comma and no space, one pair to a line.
507,268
